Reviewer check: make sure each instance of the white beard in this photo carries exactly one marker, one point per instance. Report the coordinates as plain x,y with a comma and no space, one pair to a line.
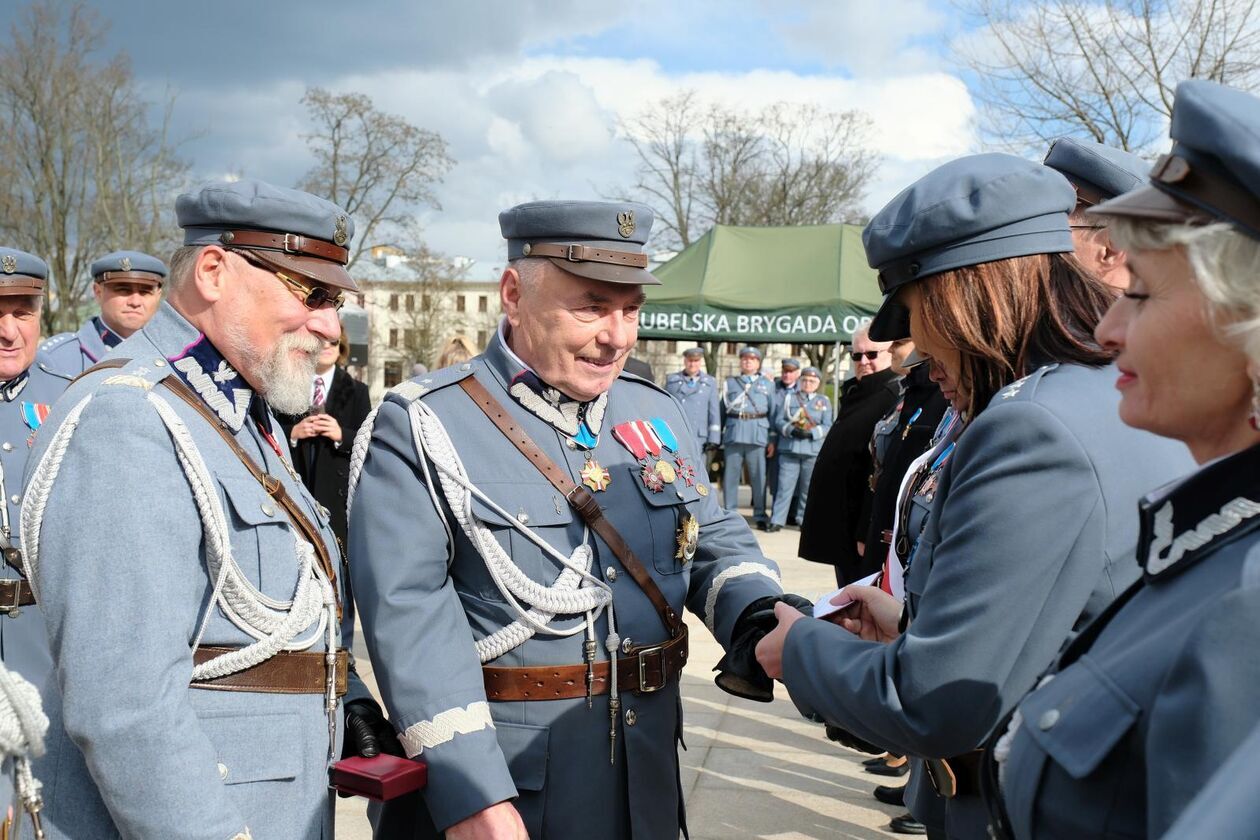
283,381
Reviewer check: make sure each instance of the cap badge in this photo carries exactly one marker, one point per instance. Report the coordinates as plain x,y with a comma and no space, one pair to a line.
125,263
625,223
9,263
340,235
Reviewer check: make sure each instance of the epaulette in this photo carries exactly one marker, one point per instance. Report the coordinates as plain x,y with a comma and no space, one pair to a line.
137,373
53,342
630,377
1024,388
413,389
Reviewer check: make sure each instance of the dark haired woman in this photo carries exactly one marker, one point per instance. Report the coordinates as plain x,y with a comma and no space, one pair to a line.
1031,521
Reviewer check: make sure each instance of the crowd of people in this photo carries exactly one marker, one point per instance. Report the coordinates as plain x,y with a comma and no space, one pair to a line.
201,510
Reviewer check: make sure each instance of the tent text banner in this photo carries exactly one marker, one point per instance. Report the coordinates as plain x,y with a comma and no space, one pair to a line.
772,325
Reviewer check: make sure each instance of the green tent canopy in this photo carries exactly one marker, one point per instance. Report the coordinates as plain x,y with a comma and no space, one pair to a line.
764,284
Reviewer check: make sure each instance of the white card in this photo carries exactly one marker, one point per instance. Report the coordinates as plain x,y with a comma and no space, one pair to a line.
823,606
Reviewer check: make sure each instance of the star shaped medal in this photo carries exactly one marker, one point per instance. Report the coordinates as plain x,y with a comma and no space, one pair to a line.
594,476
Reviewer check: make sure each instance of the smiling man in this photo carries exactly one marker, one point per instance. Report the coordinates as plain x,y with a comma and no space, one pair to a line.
526,530
127,286
192,605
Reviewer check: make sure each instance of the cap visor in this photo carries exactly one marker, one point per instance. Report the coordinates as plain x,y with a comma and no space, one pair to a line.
313,268
914,359
607,272
1148,203
891,322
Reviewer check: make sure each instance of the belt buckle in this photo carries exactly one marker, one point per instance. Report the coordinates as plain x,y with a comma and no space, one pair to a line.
15,609
573,254
292,244
644,688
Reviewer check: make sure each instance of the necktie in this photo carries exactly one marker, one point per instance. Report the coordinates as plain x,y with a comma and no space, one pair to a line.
319,391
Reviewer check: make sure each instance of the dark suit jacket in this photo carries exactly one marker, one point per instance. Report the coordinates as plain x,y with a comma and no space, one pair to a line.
324,465
839,490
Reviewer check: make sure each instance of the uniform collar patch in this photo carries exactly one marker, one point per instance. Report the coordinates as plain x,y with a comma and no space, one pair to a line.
554,407
205,370
1183,522
10,389
108,336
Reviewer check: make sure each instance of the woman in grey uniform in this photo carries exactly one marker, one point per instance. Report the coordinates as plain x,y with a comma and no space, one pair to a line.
1155,695
1028,532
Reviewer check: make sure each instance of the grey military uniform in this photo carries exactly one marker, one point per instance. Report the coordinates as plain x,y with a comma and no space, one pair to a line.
1228,803
797,413
122,578
1027,538
1153,697
74,352
425,600
698,396
748,403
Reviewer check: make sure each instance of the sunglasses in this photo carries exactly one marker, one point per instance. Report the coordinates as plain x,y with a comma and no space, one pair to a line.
313,297
869,355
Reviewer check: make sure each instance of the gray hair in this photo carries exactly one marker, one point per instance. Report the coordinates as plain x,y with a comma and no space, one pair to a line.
1226,266
182,263
531,270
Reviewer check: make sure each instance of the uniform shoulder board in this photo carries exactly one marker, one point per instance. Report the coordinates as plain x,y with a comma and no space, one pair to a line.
1025,388
56,341
414,389
674,377
51,371
142,373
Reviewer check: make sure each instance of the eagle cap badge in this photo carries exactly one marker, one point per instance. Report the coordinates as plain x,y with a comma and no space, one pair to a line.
125,263
340,235
625,223
9,263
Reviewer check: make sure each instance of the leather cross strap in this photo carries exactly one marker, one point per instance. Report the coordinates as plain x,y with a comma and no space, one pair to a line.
585,253
577,496
642,670
273,486
289,243
14,594
284,672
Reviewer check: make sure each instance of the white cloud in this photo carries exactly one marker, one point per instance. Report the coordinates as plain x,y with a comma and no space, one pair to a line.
868,38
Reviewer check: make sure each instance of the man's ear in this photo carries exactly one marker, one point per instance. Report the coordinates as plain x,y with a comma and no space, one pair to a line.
510,294
212,272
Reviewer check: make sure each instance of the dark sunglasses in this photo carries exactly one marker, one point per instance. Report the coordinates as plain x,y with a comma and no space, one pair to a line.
313,297
870,355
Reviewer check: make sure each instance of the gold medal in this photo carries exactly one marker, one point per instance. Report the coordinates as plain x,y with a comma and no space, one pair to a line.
702,490
666,471
594,476
688,538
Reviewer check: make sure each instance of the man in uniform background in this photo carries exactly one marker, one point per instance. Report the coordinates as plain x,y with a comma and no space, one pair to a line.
526,530
746,400
697,391
127,286
784,384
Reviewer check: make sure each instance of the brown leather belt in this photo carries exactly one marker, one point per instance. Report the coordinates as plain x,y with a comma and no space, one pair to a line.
585,253
957,776
15,594
750,416
643,670
289,243
287,672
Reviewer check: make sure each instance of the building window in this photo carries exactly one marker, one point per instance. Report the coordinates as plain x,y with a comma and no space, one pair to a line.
481,338
459,303
411,303
393,303
393,374
393,339
424,301
673,347
409,339
483,303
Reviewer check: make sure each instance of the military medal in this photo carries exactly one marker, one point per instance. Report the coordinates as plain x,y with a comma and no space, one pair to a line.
641,438
702,489
665,470
594,476
686,471
688,538
651,479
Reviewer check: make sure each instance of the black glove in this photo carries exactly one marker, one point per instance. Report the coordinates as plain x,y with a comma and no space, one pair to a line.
368,733
853,742
799,433
739,672
710,447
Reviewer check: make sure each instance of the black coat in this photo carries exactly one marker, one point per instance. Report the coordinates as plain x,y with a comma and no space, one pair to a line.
324,465
906,444
839,492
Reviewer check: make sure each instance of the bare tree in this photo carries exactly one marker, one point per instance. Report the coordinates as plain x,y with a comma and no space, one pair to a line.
1103,68
376,166
431,320
81,170
784,165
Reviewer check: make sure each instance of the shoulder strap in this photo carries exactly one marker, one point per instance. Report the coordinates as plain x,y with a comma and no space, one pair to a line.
273,486
577,496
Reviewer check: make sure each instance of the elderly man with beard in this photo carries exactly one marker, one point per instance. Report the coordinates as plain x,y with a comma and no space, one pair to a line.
525,533
189,582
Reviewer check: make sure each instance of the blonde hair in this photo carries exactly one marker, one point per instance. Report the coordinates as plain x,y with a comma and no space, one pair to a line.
458,349
1226,266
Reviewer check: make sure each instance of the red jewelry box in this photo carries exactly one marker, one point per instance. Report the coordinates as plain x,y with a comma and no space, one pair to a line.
381,778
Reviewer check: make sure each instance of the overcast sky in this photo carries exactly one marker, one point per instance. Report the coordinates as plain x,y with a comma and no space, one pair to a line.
527,92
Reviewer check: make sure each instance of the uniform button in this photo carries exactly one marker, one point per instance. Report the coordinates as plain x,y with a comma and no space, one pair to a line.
16,499
159,362
1048,720
626,644
522,518
6,446
632,717
610,573
572,444
267,509
223,771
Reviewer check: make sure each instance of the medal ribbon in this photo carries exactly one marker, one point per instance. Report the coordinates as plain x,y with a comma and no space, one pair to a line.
650,438
631,438
664,433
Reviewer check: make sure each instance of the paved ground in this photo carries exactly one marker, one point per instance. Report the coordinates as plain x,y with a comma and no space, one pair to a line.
751,770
